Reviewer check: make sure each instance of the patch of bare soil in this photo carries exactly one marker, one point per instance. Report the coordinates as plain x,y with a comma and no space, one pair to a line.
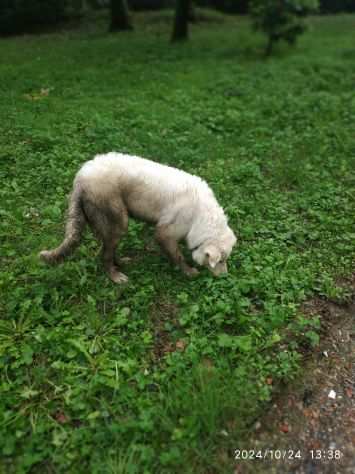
310,427
163,312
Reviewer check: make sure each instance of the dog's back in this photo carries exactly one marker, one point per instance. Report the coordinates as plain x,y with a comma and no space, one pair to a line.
133,170
148,189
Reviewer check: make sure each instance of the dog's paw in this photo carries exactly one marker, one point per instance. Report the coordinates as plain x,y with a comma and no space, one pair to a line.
118,277
191,272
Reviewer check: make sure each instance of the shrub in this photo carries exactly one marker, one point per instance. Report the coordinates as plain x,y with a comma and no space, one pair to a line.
281,19
227,6
150,4
98,4
18,16
331,6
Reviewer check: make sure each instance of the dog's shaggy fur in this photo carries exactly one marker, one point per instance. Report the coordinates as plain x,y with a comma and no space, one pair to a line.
111,187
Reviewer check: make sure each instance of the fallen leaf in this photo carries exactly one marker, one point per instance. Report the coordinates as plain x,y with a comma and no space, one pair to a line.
315,414
44,92
180,345
314,444
284,428
167,348
208,363
349,392
61,417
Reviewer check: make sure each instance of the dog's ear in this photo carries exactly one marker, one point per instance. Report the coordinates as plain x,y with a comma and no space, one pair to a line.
213,255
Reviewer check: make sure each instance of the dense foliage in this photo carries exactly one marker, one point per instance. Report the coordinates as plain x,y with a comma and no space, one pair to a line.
150,4
242,6
166,375
17,16
120,16
281,20
228,6
336,6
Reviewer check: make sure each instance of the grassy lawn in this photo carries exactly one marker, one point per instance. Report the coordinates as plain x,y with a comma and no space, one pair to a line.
165,374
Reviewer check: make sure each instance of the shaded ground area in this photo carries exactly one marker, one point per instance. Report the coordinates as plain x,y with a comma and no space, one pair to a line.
312,422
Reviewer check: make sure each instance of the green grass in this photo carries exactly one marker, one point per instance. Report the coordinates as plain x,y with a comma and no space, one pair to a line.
166,374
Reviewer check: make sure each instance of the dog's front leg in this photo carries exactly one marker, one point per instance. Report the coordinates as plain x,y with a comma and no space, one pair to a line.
165,237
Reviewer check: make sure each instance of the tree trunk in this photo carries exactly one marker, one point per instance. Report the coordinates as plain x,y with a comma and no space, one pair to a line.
120,18
192,13
270,46
181,22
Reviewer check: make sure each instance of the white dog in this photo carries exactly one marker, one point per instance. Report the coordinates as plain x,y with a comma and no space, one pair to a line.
111,187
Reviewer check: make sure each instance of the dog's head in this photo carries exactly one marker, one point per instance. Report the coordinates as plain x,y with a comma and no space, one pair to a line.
213,254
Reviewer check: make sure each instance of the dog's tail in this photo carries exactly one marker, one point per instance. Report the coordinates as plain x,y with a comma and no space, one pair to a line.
74,228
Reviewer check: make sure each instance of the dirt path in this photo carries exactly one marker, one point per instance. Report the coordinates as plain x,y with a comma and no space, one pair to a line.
311,423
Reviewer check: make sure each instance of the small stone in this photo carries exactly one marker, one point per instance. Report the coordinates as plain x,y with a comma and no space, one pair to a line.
332,394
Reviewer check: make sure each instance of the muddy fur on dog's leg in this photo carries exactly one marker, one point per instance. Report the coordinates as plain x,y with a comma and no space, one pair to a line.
109,222
170,246
121,260
109,263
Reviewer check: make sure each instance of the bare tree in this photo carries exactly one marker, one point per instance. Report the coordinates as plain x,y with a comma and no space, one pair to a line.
120,17
181,21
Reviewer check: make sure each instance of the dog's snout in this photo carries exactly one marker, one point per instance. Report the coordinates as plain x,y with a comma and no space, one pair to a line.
219,269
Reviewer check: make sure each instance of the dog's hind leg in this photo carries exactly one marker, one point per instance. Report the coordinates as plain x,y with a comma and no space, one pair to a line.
109,222
165,237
